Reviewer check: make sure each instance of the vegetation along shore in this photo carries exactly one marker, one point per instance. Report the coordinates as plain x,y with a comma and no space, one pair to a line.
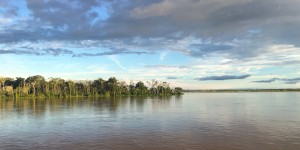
37,86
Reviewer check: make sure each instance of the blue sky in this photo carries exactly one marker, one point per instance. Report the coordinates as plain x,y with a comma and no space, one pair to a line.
207,44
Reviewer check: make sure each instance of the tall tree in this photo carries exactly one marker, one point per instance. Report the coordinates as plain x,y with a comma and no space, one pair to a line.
57,86
19,82
141,88
99,85
111,85
35,82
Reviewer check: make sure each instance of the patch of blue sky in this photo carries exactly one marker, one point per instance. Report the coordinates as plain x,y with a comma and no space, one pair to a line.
2,9
277,70
54,66
175,58
102,14
138,60
169,58
22,10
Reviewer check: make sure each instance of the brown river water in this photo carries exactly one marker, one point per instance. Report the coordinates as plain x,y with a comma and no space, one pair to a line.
208,121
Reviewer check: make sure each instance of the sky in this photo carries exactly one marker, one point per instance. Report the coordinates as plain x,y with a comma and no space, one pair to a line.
194,44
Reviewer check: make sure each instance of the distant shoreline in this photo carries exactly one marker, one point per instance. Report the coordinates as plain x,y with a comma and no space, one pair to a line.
240,90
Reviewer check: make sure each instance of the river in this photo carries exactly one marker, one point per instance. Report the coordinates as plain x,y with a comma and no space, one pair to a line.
217,121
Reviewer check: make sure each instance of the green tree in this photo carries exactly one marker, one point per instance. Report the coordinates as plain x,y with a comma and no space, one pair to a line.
70,88
123,88
132,89
111,85
178,90
35,82
99,85
141,88
57,87
153,89
19,82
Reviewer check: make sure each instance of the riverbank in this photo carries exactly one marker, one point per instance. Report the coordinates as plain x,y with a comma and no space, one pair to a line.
241,90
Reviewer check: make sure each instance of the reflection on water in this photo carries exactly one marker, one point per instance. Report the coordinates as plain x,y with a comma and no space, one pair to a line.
40,107
192,121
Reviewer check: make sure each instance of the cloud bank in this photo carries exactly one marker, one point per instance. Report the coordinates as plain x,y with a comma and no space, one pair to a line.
224,77
285,80
172,78
232,29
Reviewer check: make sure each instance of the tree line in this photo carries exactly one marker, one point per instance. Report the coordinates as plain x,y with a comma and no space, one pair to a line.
37,86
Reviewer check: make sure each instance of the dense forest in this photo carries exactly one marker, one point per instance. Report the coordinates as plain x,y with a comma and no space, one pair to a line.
37,86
